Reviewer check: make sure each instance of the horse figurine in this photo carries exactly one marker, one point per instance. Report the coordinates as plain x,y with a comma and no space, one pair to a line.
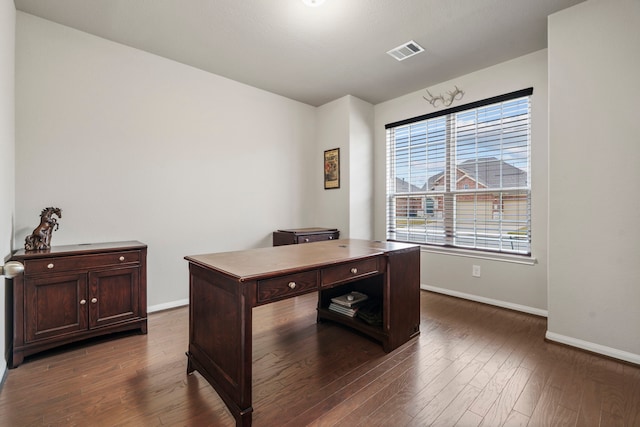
41,236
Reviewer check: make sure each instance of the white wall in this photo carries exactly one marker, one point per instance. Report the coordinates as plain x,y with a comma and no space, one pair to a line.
361,125
513,285
346,123
331,207
7,147
594,207
134,146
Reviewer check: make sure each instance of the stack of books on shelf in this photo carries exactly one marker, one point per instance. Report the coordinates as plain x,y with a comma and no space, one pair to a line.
348,304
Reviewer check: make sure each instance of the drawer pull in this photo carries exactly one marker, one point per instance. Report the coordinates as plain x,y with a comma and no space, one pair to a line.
50,266
94,300
306,239
121,258
330,237
83,301
292,285
354,270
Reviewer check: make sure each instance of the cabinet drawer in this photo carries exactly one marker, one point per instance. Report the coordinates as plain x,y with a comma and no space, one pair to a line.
285,286
350,271
316,237
79,262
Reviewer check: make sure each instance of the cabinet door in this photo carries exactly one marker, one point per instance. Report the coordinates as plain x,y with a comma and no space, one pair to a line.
114,296
55,306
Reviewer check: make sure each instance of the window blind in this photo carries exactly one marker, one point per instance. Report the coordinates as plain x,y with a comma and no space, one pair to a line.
461,177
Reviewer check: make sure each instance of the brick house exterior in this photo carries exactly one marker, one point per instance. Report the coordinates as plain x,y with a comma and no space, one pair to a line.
484,173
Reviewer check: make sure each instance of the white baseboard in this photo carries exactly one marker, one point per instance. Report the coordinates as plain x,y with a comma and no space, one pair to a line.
551,336
490,301
168,305
594,348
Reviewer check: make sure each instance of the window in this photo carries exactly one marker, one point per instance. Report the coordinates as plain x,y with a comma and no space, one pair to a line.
462,177
430,204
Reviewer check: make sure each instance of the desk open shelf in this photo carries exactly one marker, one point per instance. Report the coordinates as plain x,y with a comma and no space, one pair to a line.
373,288
356,323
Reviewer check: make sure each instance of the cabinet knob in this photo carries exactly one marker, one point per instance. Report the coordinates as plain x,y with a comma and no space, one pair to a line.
94,300
121,258
83,301
330,237
306,239
354,270
292,285
50,266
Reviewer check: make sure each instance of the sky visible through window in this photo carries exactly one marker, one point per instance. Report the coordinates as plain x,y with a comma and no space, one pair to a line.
498,131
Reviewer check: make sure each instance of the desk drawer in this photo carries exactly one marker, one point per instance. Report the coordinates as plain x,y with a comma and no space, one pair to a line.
350,271
286,286
308,238
79,262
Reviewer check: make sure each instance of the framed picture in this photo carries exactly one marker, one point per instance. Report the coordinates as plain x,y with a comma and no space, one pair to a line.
332,168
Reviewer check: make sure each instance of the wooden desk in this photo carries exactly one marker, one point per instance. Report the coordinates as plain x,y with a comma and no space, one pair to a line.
224,287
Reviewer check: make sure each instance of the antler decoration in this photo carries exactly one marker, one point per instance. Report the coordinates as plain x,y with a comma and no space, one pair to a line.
446,101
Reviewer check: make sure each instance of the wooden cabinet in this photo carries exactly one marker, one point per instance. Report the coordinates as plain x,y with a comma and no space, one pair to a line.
304,235
70,293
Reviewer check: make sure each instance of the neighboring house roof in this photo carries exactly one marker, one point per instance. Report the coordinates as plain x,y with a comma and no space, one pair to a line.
487,172
403,186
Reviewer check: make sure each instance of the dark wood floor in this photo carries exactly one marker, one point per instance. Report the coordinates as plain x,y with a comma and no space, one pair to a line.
473,364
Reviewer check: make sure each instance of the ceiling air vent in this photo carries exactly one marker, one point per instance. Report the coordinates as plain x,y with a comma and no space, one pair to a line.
406,50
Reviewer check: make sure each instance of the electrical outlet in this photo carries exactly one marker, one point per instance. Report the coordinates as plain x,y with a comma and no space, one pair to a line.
475,271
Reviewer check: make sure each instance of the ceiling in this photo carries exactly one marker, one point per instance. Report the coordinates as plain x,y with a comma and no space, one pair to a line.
316,55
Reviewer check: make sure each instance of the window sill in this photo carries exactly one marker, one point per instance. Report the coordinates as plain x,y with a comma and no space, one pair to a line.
516,259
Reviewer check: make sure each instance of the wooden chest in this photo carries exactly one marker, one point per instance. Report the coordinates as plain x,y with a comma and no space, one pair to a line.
304,235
